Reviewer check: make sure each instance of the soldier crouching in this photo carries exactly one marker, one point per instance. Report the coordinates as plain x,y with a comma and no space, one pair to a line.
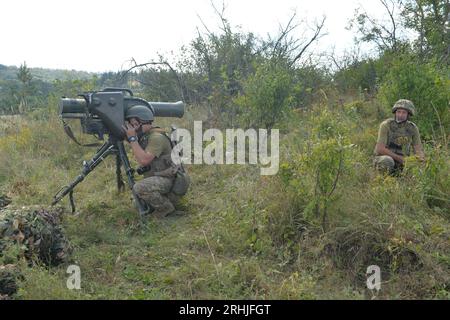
397,137
153,151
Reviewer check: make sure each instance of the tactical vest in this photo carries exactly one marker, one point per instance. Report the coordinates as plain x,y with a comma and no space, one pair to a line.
163,165
400,137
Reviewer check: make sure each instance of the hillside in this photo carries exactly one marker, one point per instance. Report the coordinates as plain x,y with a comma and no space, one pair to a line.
46,75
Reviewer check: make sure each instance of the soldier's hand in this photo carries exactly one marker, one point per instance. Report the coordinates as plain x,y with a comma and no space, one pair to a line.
400,160
129,129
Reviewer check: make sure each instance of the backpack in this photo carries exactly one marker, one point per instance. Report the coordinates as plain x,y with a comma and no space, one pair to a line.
182,180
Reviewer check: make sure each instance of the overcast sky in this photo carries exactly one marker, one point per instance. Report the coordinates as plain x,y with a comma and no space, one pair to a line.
101,35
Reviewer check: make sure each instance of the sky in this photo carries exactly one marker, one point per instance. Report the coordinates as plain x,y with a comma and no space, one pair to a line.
103,35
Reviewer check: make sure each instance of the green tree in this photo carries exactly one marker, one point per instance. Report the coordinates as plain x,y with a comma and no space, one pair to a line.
384,34
430,19
24,75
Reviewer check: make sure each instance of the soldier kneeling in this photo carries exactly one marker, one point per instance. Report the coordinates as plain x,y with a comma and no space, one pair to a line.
396,136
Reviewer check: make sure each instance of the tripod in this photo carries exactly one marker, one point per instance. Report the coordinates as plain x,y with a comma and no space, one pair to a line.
112,146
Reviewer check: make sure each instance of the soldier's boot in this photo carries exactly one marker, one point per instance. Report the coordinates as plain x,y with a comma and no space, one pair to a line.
173,198
178,213
163,210
384,164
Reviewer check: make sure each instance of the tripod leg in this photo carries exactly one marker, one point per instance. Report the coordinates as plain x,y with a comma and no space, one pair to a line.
120,183
141,205
88,166
72,202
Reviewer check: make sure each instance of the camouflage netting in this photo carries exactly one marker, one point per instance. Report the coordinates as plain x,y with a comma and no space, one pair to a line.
9,275
34,234
4,201
39,232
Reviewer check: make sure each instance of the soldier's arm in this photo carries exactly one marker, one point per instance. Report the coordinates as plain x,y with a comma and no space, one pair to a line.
381,150
418,150
417,144
142,157
154,149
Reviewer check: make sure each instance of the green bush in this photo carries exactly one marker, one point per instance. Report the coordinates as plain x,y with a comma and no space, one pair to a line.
427,87
359,75
315,174
431,179
266,95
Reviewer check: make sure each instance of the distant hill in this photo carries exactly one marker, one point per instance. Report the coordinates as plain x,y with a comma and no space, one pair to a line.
46,75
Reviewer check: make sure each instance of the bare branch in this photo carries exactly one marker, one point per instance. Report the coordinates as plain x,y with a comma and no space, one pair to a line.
136,65
221,14
204,25
394,25
336,178
333,59
384,34
285,31
315,37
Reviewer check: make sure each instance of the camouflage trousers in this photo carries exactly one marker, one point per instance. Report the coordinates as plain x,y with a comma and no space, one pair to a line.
387,164
155,191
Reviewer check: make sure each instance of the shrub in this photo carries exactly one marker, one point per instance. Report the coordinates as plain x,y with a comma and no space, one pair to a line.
266,95
431,179
426,86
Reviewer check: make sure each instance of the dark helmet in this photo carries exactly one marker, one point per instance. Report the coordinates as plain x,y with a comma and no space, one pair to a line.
143,113
404,104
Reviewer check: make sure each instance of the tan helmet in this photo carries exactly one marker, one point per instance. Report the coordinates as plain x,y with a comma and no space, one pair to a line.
404,104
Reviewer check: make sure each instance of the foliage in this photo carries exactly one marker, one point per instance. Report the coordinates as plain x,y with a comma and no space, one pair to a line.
25,89
432,179
38,234
427,87
429,18
308,232
214,64
315,173
362,75
266,95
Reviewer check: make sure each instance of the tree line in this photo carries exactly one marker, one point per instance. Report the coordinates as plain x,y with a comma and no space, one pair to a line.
248,80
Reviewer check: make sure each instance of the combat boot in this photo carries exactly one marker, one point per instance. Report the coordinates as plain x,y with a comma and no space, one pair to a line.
164,210
173,198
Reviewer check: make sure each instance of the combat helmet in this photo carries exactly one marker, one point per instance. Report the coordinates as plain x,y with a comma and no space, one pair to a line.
143,113
404,104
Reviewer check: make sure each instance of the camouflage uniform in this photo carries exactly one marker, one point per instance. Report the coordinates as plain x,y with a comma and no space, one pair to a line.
155,188
399,138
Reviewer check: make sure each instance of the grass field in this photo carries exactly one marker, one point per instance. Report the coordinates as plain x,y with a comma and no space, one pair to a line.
244,236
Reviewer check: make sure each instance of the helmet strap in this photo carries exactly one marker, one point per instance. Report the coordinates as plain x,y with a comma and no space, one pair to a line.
139,130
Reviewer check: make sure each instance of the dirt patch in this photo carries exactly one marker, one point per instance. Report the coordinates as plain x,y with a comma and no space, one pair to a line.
354,250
